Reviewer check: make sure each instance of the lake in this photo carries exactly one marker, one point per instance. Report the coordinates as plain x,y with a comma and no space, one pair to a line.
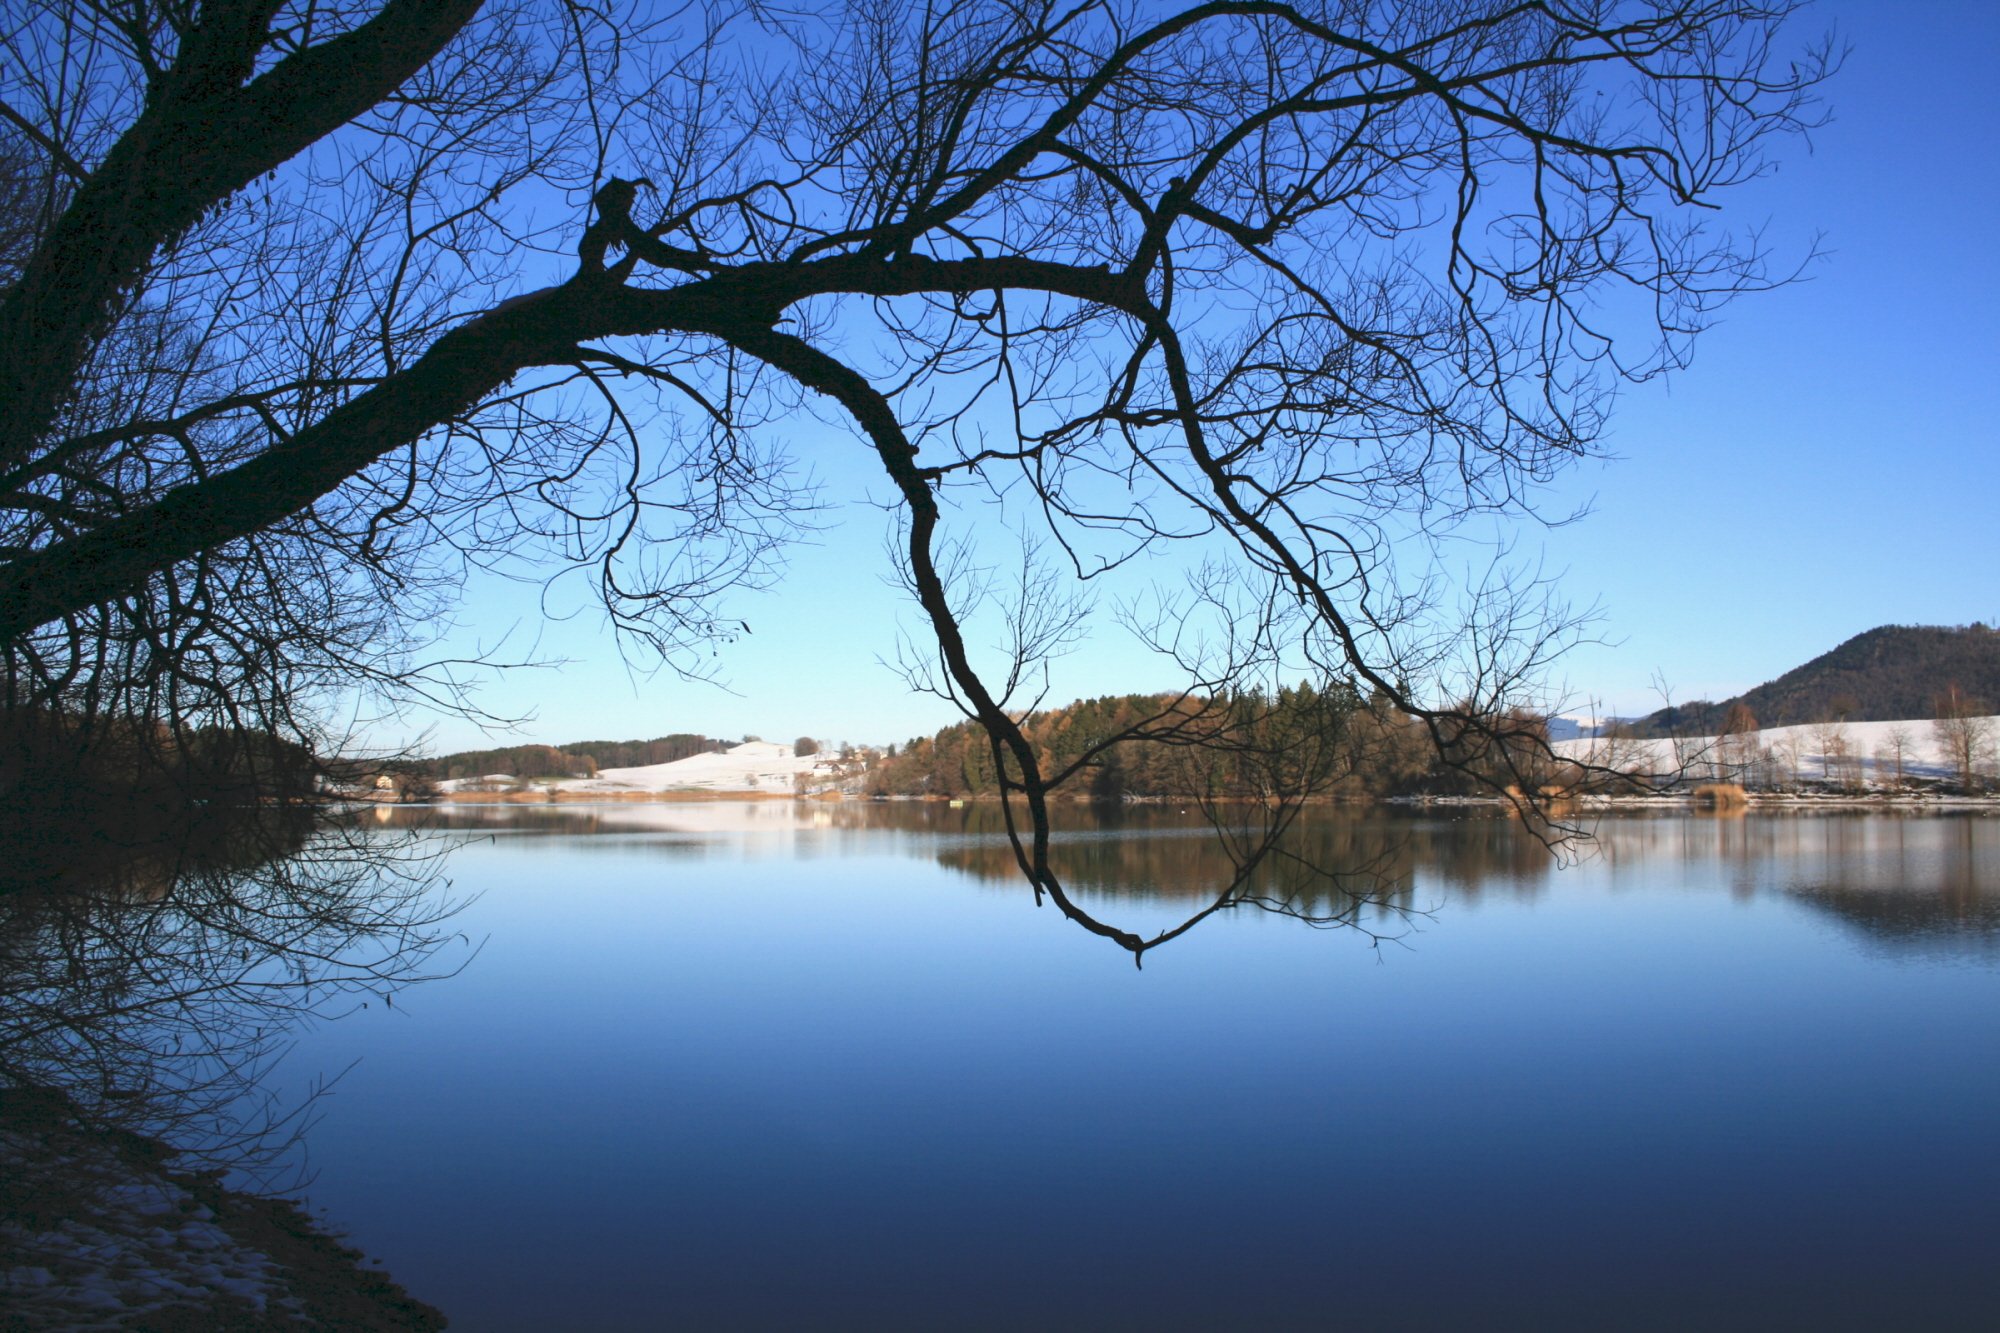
775,1066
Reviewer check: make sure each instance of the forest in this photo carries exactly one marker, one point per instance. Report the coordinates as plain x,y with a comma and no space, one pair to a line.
1297,742
574,759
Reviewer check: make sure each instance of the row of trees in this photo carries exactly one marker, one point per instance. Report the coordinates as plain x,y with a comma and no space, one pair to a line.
1298,742
573,759
1962,732
1118,747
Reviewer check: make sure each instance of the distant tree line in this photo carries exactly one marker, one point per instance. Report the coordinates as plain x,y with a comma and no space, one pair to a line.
575,759
1328,741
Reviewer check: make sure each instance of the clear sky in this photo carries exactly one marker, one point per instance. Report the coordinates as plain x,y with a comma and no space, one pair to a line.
1825,466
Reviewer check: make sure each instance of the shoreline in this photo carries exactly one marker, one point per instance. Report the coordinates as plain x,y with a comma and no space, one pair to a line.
97,1230
1769,802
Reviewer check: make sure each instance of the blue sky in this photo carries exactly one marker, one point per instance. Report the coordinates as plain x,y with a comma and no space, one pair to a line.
1826,465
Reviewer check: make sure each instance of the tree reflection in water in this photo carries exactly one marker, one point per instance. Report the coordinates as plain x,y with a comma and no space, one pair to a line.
1915,885
1326,866
1908,881
1322,872
151,987
1330,867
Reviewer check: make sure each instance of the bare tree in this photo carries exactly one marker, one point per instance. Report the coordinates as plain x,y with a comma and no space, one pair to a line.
1302,285
1965,734
1689,749
1790,750
1736,744
1614,753
1618,750
1829,737
1896,742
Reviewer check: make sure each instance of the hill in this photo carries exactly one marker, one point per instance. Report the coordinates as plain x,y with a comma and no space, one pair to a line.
576,759
1890,673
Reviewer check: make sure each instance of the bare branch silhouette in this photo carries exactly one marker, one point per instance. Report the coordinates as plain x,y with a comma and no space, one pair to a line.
307,308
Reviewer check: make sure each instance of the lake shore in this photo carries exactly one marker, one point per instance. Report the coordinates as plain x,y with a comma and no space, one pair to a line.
1765,801
98,1230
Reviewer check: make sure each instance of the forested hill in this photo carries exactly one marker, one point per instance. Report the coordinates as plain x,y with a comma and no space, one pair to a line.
1296,741
1890,673
576,759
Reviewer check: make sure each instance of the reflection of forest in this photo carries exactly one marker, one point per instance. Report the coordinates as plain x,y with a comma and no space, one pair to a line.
1138,851
1327,857
1922,885
150,987
1908,881
148,990
1902,878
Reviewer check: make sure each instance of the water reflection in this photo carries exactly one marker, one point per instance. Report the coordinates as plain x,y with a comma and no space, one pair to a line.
1914,883
771,1061
1325,871
1922,887
151,985
156,981
1909,882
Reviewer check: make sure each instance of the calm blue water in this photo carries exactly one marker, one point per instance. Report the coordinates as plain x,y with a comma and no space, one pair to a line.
1729,1073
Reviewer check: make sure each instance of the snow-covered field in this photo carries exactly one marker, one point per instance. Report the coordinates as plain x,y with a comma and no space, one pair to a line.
1811,750
756,766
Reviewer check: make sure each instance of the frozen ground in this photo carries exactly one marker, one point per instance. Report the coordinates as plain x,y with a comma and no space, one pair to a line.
1813,750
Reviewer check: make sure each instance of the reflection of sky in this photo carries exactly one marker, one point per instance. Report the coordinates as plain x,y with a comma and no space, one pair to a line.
1833,435
732,1089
